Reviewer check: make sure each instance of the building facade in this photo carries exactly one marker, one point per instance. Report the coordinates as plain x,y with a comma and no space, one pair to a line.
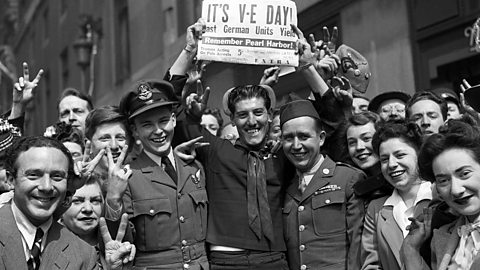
411,45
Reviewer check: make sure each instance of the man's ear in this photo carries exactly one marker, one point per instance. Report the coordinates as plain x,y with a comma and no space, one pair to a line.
322,135
10,179
174,119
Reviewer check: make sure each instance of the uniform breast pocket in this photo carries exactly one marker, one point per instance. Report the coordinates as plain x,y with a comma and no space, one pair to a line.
150,217
328,210
200,202
288,218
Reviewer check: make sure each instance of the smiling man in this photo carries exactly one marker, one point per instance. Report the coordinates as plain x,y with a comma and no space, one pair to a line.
245,184
322,215
165,197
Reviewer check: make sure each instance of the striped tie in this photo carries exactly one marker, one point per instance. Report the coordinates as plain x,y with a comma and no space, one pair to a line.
34,262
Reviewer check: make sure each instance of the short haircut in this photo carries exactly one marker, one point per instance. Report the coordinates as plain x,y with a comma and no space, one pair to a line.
240,93
457,134
361,119
105,115
426,95
76,93
23,144
409,132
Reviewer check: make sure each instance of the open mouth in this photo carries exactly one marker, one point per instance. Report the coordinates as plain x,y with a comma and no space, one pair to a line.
463,200
159,140
87,219
299,155
396,173
253,132
363,157
44,199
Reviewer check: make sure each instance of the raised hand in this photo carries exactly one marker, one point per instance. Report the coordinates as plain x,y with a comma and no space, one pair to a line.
330,41
85,167
270,76
197,102
186,150
23,89
194,34
420,229
464,87
118,174
307,55
117,254
342,90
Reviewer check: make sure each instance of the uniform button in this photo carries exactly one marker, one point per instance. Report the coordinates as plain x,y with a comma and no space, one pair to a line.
301,228
152,211
179,195
327,201
326,171
301,208
186,266
184,242
316,192
302,247
303,267
182,219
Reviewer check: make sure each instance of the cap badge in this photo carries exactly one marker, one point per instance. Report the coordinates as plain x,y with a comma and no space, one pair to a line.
144,92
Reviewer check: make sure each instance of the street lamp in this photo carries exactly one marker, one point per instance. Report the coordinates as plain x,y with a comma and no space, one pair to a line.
85,47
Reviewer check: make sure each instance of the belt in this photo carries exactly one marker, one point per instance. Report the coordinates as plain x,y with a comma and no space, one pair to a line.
185,254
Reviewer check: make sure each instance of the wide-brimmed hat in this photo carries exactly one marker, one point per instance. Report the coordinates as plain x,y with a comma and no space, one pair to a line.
147,95
379,99
271,95
472,97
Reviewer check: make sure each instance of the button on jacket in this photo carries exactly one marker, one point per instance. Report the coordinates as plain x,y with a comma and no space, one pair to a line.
323,226
169,219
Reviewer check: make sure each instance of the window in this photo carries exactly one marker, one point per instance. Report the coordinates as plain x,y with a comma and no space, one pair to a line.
122,44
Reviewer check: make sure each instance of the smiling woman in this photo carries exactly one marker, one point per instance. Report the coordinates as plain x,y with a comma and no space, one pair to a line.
396,145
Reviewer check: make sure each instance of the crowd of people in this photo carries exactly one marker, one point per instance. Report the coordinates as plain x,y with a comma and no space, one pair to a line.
335,181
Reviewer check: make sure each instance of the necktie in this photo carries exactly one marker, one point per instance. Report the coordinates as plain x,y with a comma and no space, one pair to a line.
303,184
257,198
465,253
34,262
168,168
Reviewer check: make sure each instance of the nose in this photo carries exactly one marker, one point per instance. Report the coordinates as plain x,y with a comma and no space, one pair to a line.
158,129
392,162
296,143
87,207
425,121
72,117
456,188
113,145
251,119
45,184
360,145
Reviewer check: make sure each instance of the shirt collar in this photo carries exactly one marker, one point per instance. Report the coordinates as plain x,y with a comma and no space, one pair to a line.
314,169
158,159
26,228
423,193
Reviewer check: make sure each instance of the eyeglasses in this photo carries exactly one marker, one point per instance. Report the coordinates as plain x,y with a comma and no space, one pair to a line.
389,108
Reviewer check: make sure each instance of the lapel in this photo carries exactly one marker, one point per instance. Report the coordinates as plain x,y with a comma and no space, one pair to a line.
154,172
293,190
185,172
55,254
446,242
320,179
392,234
13,254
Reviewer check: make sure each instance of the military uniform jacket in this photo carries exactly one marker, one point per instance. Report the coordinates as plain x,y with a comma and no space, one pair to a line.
324,224
169,219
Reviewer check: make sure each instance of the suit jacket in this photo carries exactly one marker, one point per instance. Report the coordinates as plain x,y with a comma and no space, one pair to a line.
169,219
444,244
63,249
382,238
323,225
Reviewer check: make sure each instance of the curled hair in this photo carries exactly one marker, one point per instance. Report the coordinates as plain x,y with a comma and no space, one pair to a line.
66,133
408,132
426,95
215,113
247,92
76,93
23,144
105,115
455,134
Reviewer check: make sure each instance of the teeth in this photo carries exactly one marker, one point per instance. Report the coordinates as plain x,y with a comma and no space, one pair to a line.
363,156
251,131
397,173
158,140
